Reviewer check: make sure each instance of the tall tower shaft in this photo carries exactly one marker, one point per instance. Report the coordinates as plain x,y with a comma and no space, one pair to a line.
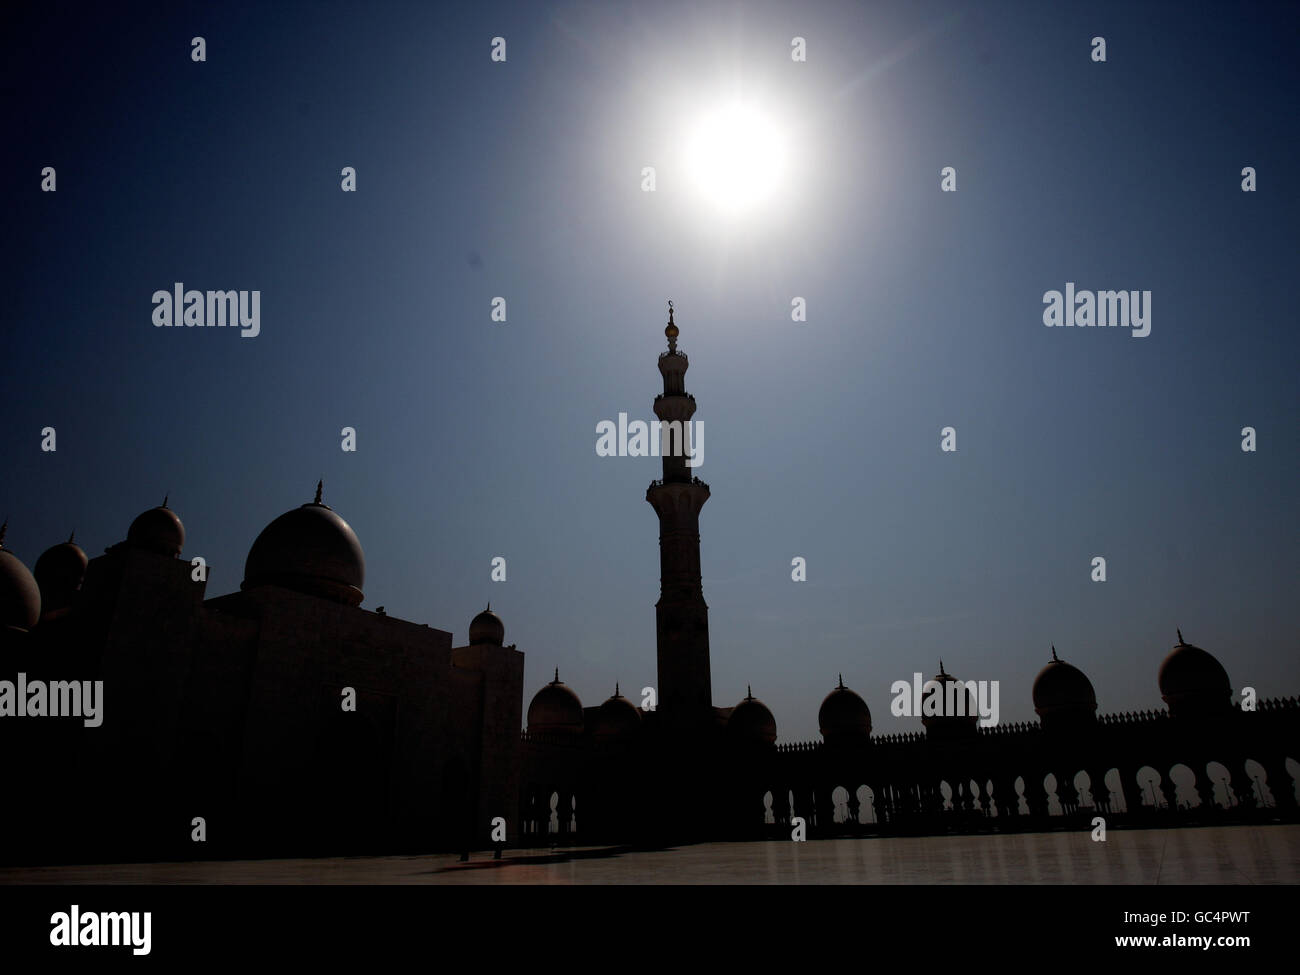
681,615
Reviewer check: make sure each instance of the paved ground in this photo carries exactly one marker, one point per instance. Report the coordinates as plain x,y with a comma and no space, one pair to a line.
1219,855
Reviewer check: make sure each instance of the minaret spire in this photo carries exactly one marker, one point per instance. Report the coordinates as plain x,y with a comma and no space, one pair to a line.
681,614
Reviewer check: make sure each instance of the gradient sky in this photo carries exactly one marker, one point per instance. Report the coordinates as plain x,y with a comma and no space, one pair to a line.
523,179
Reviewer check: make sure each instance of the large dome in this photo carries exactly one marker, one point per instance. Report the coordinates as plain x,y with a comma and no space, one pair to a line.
59,572
617,717
555,708
1193,682
752,721
20,598
310,550
487,627
157,530
844,715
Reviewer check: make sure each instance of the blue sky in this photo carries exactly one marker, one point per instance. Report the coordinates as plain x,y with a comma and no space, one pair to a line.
522,179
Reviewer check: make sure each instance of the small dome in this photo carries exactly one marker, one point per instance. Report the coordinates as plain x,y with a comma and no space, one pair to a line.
1063,693
946,722
844,715
310,550
157,530
555,708
20,597
487,627
751,721
59,572
617,717
1193,682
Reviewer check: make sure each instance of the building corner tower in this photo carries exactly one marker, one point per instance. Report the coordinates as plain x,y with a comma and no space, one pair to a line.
681,616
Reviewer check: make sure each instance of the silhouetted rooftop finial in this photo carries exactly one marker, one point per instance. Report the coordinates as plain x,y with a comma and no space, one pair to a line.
3,529
1054,656
841,682
671,330
320,487
616,694
942,672
557,676
1180,635
749,693
166,497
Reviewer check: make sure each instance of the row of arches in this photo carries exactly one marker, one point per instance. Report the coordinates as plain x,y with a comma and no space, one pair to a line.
1179,788
549,812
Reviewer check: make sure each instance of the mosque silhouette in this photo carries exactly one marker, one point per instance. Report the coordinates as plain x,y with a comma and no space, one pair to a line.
227,732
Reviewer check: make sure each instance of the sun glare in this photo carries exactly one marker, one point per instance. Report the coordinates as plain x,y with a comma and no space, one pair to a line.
736,157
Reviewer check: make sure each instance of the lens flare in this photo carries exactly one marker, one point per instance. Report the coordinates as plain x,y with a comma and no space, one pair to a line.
736,157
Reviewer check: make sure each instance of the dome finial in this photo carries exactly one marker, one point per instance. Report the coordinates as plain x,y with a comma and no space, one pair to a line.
616,694
749,693
1054,656
1180,636
3,529
166,497
320,486
841,682
557,676
489,607
71,535
942,672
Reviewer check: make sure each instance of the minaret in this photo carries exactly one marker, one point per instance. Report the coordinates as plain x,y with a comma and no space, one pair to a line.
681,616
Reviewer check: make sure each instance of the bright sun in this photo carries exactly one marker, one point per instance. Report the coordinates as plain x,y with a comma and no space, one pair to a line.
736,157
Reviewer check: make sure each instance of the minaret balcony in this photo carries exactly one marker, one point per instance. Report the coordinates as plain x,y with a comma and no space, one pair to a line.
694,481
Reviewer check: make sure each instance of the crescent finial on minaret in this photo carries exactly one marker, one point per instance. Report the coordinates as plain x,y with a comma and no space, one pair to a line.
671,330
